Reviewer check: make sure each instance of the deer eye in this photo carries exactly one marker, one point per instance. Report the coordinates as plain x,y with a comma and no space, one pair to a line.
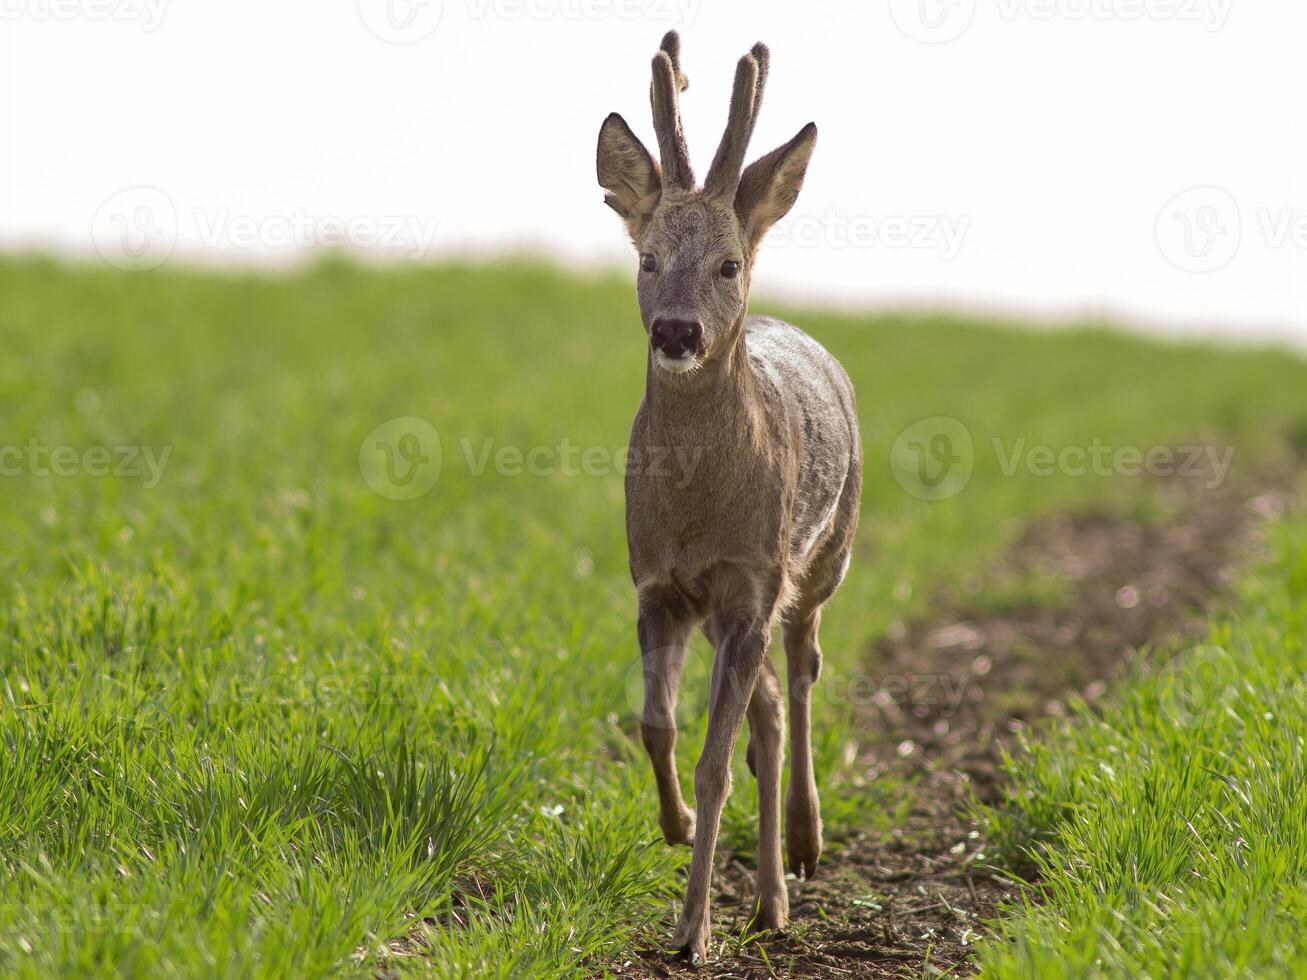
730,269
648,263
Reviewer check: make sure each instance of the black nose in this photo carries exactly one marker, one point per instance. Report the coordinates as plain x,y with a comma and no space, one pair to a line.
674,337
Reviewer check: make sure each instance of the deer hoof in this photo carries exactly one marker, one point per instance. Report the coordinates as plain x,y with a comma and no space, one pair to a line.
694,954
803,840
803,857
689,956
681,829
771,915
690,944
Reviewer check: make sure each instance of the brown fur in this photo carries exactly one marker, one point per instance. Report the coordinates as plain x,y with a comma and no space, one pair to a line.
763,530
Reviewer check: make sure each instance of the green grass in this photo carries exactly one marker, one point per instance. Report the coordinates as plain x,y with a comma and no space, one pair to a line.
259,719
1170,831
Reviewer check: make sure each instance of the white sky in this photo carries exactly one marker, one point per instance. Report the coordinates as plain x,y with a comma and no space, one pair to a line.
1147,158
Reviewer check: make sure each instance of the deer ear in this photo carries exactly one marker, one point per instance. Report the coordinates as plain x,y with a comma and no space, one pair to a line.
628,173
770,185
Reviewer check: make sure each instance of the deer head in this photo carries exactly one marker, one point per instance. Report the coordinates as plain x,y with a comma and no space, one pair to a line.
697,245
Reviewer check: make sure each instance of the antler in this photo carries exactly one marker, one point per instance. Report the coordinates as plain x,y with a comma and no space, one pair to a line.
668,80
746,99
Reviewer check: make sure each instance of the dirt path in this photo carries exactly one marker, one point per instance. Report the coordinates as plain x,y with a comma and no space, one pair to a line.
902,903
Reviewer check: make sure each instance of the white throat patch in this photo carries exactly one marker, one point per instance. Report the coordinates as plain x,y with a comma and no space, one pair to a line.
675,365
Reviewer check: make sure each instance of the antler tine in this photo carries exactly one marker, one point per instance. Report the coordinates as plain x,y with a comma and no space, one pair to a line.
667,81
671,44
724,174
763,56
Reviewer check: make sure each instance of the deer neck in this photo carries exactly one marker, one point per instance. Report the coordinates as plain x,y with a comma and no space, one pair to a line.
716,406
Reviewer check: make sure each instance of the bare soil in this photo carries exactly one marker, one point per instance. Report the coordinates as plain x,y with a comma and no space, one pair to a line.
912,902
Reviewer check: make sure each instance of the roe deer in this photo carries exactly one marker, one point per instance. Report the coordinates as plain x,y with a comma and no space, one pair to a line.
762,530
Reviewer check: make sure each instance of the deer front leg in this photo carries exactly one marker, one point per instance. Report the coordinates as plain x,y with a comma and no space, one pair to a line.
735,672
663,638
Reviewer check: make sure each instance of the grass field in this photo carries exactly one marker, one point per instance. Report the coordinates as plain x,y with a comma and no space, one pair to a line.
260,719
1170,829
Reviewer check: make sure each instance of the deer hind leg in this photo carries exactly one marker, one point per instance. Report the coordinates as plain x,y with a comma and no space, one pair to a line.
802,807
766,735
664,633
803,657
